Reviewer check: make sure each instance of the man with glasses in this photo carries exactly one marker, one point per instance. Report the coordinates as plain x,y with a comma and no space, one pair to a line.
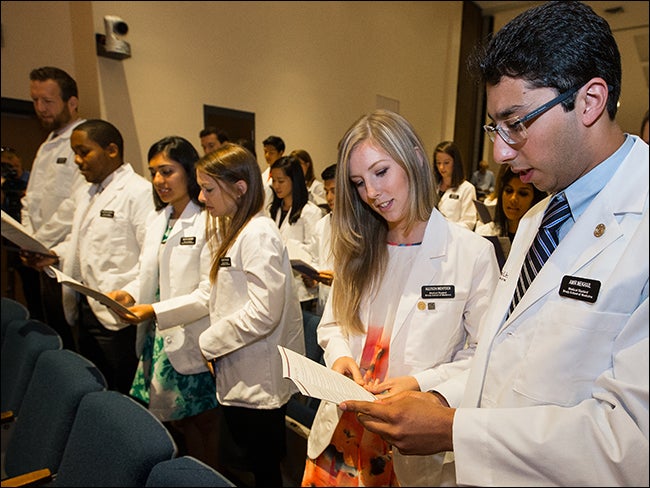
557,393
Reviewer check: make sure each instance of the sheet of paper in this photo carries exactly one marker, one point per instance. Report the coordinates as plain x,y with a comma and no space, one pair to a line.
304,268
66,280
315,380
485,212
18,234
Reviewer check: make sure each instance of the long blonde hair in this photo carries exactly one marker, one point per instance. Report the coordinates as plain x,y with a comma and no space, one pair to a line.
358,232
227,165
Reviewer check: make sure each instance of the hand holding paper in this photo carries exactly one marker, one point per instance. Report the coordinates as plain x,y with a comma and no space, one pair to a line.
102,298
317,381
18,234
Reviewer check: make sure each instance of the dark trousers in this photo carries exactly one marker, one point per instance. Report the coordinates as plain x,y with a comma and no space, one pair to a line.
113,352
259,436
30,280
53,310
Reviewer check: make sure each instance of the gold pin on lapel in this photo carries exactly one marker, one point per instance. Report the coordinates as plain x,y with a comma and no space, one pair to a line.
599,230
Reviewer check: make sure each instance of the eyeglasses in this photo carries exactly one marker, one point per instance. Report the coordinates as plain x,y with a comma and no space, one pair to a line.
513,130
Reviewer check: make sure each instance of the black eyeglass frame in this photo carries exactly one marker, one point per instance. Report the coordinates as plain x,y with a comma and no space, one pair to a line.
492,130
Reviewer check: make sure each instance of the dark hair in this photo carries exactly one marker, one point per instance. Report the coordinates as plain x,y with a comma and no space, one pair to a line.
559,45
299,194
329,173
66,83
305,158
103,133
504,177
222,136
248,144
276,142
183,152
458,174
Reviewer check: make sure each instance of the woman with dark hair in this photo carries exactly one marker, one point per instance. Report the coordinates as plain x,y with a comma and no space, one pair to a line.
296,217
456,194
513,199
315,187
169,299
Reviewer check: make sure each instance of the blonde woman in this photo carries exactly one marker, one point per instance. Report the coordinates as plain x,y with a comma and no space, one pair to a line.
409,293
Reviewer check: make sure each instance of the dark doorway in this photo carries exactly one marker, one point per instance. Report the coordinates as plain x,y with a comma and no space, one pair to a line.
236,123
21,129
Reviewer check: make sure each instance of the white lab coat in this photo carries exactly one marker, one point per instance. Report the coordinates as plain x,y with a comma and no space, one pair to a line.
181,267
48,207
325,259
298,237
317,194
563,383
429,334
458,204
109,237
253,309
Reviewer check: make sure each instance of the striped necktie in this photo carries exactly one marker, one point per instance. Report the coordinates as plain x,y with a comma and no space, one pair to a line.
543,246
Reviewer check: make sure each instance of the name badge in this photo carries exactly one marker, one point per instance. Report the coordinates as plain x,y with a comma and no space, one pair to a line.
109,214
188,241
438,291
61,160
578,288
225,262
454,196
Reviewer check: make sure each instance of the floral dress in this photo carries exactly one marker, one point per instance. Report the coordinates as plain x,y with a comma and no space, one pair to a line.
355,456
169,394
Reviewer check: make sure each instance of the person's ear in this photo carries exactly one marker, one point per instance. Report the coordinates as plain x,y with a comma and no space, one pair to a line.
112,150
242,188
73,104
592,100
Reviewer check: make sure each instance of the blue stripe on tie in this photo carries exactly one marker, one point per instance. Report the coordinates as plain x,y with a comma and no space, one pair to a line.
542,247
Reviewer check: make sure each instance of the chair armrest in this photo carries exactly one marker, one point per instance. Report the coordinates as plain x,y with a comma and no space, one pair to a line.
35,478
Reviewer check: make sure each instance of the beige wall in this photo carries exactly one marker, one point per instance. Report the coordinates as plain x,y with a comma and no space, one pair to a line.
306,69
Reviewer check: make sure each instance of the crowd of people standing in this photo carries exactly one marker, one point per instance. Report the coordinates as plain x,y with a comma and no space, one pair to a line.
530,372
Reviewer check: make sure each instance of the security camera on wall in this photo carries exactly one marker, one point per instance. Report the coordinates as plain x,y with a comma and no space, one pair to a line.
111,45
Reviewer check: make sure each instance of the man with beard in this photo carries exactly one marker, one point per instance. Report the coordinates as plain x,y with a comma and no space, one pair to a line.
47,205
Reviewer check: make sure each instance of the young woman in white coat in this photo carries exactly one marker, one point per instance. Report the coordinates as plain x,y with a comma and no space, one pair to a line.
296,217
404,309
457,195
253,309
170,300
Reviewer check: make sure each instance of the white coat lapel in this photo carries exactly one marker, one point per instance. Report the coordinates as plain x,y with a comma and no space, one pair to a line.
595,230
425,269
184,221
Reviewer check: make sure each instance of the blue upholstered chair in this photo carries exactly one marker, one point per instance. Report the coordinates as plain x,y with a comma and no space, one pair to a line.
12,310
186,471
24,341
114,441
60,380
